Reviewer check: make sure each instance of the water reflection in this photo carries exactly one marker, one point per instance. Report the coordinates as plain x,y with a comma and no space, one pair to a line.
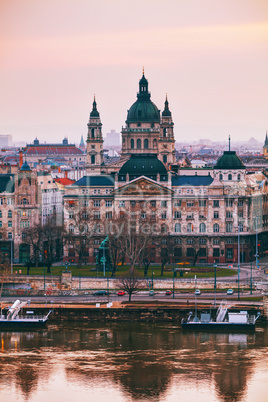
129,362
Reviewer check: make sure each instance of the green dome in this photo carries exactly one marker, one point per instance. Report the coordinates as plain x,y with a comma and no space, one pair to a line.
143,110
229,160
143,165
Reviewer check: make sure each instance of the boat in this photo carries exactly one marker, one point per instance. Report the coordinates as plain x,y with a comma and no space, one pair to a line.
13,318
241,320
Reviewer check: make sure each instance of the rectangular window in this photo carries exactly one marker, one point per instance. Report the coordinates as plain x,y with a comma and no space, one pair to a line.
189,241
202,203
229,203
9,236
216,252
177,215
96,241
229,241
109,215
202,217
164,215
0,214
143,215
85,203
10,224
216,215
121,204
96,215
190,204
24,236
216,241
1,201
202,252
71,215
202,241
190,252
240,214
153,204
240,203
229,214
96,203
109,203
216,204
133,203
190,216
229,227
163,204
177,203
1,225
229,253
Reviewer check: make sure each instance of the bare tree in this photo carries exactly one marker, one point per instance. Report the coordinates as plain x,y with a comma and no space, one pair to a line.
166,245
131,285
43,240
131,232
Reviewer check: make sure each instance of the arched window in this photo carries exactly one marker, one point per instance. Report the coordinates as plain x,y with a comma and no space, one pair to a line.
164,158
189,227
24,201
138,143
92,133
132,143
177,228
202,228
71,228
241,227
164,132
164,228
216,228
92,159
238,177
9,215
229,176
221,176
146,144
154,143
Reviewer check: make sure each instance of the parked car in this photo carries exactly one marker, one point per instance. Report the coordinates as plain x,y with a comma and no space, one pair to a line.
168,292
151,293
197,292
100,293
230,292
121,293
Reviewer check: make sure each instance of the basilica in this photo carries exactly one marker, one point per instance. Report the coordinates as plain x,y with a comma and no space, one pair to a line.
203,211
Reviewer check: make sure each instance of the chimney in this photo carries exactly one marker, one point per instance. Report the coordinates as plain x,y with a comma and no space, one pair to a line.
59,169
66,174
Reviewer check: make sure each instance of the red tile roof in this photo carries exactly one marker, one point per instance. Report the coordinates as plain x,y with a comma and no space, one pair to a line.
52,150
64,181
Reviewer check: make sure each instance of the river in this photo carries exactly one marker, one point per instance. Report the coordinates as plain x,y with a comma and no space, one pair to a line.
132,362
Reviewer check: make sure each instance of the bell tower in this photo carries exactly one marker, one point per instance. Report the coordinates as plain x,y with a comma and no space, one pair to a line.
94,140
166,143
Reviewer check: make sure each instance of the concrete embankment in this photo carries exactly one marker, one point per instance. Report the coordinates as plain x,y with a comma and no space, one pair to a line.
120,312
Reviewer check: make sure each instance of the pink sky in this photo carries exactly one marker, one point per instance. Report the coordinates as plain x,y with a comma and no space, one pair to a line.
210,56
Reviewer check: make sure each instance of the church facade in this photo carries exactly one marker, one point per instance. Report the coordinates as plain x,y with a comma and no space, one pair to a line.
201,214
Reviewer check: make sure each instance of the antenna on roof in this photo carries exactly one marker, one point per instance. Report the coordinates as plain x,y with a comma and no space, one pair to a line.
229,143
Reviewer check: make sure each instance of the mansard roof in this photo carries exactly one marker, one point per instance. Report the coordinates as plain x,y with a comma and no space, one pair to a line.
192,180
94,181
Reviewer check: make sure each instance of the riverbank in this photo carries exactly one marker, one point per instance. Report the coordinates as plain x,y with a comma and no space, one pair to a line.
131,312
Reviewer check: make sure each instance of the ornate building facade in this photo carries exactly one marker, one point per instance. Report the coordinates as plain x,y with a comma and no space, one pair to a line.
201,212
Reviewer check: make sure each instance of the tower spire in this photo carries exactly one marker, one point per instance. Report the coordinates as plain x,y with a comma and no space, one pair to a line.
229,143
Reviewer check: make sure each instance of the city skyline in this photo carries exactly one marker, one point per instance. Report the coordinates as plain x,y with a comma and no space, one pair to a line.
211,60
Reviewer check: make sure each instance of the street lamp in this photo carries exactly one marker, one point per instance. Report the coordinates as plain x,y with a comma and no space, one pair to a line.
238,262
256,254
215,282
152,279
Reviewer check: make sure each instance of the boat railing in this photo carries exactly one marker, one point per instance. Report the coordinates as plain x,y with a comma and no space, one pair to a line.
29,317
